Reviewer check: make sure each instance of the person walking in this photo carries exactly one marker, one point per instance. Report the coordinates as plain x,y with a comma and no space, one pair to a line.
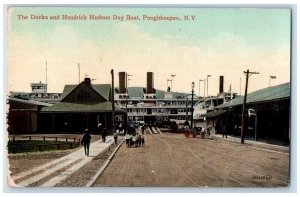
104,133
127,138
142,140
86,139
133,141
138,140
99,127
143,129
224,131
116,133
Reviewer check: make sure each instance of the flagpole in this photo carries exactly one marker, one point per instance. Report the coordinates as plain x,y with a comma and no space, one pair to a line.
78,73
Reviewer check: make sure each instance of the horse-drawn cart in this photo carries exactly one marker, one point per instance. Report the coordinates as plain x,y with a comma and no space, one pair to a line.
193,133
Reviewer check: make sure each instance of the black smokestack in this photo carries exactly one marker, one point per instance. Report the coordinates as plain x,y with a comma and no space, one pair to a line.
150,82
122,82
221,85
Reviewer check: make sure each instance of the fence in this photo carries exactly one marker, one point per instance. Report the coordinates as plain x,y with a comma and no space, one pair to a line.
40,143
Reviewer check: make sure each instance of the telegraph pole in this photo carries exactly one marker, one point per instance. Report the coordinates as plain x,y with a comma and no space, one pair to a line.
78,73
113,99
248,74
204,87
46,72
171,81
192,108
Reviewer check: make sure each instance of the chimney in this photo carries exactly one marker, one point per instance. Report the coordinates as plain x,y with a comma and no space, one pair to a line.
122,82
221,84
150,82
87,81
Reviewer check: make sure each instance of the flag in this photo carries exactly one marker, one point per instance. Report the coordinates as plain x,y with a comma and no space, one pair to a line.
173,75
273,77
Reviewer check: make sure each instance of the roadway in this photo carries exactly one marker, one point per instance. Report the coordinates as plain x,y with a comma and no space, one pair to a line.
171,160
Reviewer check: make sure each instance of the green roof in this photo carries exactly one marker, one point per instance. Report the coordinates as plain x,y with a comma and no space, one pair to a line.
63,106
30,102
135,92
215,113
102,89
160,94
273,93
76,107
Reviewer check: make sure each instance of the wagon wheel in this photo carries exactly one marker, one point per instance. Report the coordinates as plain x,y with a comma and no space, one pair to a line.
187,133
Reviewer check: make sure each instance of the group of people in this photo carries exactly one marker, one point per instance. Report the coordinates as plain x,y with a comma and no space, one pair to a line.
134,140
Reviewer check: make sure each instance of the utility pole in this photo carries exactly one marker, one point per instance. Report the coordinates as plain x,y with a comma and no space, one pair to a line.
271,77
200,88
46,77
204,88
127,95
113,99
248,74
192,108
78,73
207,84
171,81
46,72
240,86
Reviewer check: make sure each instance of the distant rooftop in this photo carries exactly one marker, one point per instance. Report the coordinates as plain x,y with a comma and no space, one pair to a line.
137,92
31,102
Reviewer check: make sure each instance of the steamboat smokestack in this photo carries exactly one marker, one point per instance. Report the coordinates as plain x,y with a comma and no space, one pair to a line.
221,84
122,82
150,82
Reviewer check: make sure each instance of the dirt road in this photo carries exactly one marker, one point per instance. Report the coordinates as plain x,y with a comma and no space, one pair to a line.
170,160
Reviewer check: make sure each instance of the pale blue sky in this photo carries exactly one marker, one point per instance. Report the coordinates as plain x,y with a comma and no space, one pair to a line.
222,41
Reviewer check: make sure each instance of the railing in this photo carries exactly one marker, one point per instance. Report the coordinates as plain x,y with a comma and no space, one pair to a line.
60,143
43,137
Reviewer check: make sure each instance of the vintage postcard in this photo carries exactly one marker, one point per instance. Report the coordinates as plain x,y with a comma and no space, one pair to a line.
139,96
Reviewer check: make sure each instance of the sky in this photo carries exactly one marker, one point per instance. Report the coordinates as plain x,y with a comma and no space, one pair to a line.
220,41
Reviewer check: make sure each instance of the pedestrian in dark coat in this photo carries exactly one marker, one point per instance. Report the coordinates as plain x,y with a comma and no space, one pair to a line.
224,131
116,133
142,140
143,130
100,127
86,139
104,134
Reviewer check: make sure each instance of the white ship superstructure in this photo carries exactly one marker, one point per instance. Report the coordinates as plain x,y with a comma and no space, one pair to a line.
205,105
150,105
38,93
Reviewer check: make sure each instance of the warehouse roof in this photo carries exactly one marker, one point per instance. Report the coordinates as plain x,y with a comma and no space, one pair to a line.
102,89
30,102
76,107
214,113
273,93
